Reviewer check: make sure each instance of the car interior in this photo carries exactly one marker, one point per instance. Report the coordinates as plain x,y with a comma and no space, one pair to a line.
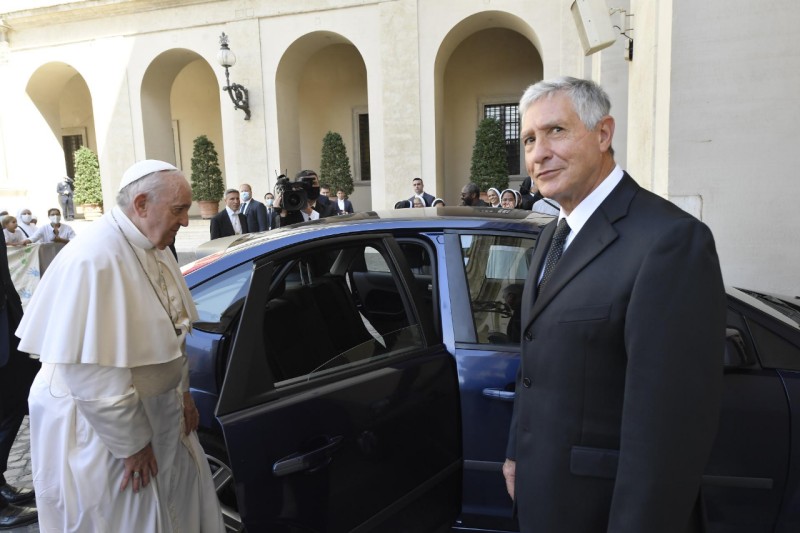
332,307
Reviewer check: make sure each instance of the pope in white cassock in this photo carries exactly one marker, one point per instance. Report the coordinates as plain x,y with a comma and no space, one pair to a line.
112,423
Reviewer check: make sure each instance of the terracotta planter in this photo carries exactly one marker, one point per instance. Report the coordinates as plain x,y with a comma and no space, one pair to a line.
92,211
208,208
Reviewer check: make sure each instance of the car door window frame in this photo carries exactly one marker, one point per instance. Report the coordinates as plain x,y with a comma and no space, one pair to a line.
463,319
239,390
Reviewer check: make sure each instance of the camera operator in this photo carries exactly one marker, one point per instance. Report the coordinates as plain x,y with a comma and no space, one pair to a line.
293,209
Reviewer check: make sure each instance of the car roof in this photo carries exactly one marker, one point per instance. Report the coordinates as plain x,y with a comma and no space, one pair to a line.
416,219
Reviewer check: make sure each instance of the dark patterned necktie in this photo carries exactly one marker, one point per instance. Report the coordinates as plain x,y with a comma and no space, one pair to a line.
555,251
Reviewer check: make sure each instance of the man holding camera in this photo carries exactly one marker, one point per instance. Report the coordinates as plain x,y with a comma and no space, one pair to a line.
298,200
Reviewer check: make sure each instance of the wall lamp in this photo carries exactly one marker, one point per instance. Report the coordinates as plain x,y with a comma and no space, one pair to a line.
238,93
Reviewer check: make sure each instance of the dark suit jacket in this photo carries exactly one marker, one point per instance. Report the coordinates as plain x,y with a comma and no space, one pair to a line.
256,216
273,218
325,207
348,206
620,379
427,198
221,225
10,309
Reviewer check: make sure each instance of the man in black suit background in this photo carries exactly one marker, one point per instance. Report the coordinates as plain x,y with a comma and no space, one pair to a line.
253,210
273,214
229,221
419,192
343,205
17,371
623,332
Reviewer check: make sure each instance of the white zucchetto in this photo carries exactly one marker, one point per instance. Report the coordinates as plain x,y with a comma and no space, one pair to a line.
143,168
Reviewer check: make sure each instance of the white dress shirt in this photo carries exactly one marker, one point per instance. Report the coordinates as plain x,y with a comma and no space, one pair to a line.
234,216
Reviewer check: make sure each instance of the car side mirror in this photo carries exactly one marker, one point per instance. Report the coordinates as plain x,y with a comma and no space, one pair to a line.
736,353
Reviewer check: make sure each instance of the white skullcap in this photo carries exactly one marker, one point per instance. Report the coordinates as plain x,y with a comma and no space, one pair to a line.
142,169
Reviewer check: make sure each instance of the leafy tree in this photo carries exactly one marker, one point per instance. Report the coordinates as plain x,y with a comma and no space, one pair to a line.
87,178
489,160
335,166
207,184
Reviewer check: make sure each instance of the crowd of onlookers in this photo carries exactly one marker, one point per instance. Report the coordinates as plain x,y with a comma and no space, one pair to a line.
245,214
524,198
24,229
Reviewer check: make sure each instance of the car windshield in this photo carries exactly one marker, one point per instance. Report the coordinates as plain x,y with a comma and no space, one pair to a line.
789,309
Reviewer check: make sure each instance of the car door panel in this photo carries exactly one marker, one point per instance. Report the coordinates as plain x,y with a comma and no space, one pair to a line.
744,481
367,446
376,439
487,374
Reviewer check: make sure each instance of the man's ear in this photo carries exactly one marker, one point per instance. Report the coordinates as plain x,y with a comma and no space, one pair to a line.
140,205
605,132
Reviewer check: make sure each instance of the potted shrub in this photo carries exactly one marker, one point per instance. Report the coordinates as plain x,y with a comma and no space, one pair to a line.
88,191
489,159
334,169
207,185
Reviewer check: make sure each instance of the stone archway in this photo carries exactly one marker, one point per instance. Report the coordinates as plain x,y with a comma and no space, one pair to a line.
62,97
321,86
487,60
180,101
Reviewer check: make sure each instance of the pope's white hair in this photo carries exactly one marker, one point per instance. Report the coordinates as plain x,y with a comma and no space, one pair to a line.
149,185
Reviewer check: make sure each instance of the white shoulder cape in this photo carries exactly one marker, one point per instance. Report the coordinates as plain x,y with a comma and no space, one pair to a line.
95,304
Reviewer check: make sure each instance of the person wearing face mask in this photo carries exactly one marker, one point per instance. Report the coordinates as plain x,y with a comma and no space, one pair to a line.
25,222
55,231
273,215
253,210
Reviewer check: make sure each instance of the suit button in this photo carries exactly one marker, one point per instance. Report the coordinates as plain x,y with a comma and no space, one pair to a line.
526,382
528,336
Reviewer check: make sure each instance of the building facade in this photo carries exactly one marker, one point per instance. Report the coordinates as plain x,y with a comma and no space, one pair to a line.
405,82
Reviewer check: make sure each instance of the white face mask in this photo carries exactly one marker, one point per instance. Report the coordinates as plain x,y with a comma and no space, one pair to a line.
27,218
245,196
268,202
55,219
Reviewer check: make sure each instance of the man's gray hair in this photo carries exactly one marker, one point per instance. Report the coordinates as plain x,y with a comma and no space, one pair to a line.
148,185
228,191
590,101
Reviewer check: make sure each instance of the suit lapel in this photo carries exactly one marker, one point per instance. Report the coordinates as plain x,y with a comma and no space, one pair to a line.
595,236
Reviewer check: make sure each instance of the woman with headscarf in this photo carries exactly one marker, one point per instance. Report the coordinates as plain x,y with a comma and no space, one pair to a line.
25,222
493,195
509,199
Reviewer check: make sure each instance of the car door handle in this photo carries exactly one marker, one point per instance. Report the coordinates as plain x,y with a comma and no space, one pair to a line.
308,461
499,394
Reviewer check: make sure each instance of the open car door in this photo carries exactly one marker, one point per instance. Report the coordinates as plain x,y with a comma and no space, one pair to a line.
340,410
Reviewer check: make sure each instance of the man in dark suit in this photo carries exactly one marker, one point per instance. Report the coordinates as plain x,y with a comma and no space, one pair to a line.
526,197
229,221
253,210
623,335
17,371
419,192
273,214
343,205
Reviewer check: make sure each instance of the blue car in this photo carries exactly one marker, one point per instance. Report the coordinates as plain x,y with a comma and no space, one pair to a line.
357,373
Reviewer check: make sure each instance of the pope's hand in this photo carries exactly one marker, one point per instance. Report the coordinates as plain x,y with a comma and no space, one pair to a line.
139,467
191,417
509,472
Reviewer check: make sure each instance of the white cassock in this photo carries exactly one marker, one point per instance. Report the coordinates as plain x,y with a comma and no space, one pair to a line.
112,380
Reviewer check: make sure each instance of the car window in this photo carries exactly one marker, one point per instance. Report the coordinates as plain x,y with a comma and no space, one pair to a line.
496,267
335,308
218,298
